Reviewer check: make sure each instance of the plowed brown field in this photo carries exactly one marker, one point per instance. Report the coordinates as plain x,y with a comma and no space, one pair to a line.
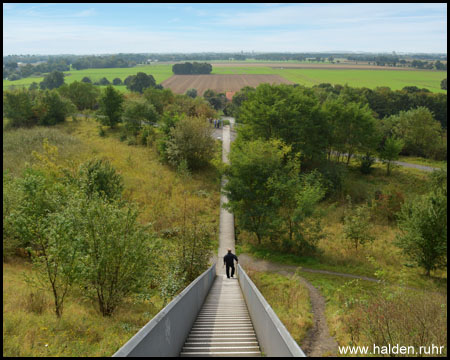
219,83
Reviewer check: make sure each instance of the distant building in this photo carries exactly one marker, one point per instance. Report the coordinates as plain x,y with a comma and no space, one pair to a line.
229,95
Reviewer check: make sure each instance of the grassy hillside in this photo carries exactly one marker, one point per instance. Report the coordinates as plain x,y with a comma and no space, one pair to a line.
30,327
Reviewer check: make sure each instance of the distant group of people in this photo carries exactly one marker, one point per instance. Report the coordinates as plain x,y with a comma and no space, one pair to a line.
217,123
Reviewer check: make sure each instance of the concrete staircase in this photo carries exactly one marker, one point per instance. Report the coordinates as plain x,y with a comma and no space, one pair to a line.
223,326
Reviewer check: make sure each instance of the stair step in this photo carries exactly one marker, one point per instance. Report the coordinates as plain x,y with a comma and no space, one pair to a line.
218,343
221,353
220,348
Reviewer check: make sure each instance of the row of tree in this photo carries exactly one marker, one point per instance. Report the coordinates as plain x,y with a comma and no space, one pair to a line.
12,71
188,68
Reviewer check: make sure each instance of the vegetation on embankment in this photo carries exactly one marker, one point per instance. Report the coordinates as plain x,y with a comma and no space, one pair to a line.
288,298
30,327
296,202
173,202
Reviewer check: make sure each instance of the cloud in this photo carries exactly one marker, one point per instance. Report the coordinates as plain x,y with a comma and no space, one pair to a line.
84,13
294,27
325,14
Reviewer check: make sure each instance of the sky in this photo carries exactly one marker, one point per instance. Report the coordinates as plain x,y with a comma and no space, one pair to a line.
88,28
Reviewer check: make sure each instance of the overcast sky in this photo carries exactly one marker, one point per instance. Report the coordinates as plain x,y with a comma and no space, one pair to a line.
83,28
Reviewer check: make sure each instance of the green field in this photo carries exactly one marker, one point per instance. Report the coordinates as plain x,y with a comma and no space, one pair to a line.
159,72
395,79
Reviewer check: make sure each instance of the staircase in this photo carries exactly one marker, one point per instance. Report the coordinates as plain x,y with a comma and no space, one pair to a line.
223,326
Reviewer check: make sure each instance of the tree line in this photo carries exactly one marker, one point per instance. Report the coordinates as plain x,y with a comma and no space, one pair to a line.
188,68
12,71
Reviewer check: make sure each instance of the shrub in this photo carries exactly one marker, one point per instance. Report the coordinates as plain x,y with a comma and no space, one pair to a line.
191,140
146,135
366,164
101,131
388,205
53,108
99,177
18,108
117,253
334,175
423,226
356,225
117,81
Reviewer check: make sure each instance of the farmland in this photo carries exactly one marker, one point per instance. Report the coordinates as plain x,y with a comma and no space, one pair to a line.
219,82
308,74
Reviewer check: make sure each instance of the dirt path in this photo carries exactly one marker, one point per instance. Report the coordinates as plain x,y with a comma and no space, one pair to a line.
318,341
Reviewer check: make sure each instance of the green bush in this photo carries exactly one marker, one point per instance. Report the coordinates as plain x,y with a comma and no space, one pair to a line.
366,163
99,177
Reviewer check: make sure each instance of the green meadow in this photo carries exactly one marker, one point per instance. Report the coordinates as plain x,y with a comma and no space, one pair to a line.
395,79
159,72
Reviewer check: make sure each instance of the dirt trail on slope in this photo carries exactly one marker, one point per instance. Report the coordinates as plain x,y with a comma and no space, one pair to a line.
318,341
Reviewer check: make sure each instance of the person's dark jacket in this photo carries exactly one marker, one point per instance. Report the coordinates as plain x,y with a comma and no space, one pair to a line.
228,259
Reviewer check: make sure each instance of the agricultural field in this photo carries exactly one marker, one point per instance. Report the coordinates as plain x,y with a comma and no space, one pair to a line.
308,74
220,82
371,78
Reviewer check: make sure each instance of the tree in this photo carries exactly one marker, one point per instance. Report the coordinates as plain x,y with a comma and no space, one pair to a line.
250,198
45,220
391,151
418,129
111,107
34,86
297,195
191,93
84,95
117,253
444,84
160,99
52,81
11,65
140,82
18,108
53,108
137,112
290,114
352,127
191,141
217,100
423,226
104,81
86,80
117,81
191,68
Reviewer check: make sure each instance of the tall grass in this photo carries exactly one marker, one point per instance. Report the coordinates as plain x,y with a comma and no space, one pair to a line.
18,145
30,327
288,299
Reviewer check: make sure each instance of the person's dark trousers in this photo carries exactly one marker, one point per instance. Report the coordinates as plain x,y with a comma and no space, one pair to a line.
228,271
